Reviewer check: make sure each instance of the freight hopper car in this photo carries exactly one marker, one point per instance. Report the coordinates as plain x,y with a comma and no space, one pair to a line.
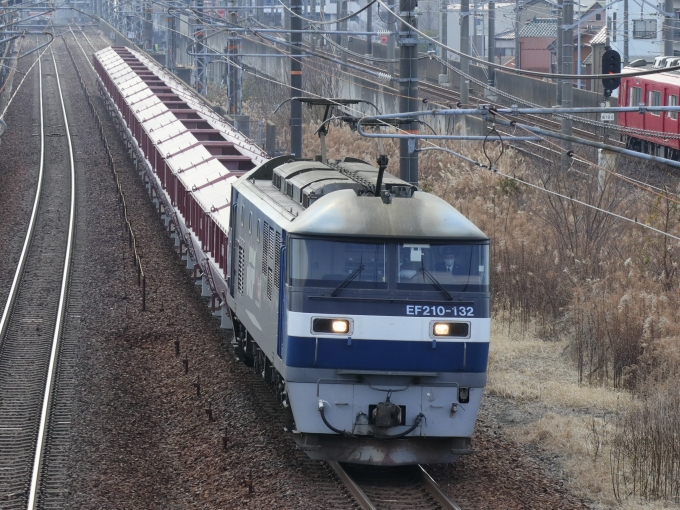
187,154
369,313
661,89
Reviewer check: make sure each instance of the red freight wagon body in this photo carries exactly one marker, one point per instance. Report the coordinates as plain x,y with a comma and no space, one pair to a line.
192,154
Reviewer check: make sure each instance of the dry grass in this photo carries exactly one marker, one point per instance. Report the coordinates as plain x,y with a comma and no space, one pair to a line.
525,368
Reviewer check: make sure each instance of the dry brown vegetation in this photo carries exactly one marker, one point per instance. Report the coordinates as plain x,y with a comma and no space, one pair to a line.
586,306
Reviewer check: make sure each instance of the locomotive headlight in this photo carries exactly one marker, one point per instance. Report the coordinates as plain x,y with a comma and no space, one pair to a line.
441,329
449,329
332,325
340,326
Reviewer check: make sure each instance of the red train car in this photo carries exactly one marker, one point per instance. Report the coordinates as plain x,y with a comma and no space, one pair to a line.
661,89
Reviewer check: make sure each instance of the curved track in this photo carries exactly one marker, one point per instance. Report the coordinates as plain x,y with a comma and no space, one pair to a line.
34,315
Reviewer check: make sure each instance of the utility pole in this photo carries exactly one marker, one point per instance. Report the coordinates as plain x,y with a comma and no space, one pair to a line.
492,47
369,28
408,89
625,33
668,28
391,39
287,24
343,26
338,25
296,79
465,51
200,67
148,25
568,68
234,76
518,53
171,42
312,8
443,36
559,47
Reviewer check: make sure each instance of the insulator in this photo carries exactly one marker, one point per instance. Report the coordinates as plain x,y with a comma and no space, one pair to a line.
384,77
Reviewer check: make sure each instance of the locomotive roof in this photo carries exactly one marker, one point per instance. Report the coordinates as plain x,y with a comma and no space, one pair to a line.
344,213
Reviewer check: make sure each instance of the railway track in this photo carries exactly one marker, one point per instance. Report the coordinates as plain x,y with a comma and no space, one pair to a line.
33,375
394,488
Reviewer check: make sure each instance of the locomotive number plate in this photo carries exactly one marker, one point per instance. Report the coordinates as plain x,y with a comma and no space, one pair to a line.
459,310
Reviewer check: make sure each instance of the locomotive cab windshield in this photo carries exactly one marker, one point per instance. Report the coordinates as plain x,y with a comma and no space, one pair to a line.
401,267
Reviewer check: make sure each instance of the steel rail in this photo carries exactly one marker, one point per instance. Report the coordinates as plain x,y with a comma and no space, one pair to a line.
14,289
365,503
353,487
44,416
436,491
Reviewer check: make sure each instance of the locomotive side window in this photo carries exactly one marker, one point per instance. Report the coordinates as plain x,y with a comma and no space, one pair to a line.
635,96
673,101
655,100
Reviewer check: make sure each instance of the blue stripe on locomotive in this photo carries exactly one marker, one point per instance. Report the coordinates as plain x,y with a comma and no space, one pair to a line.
310,301
386,355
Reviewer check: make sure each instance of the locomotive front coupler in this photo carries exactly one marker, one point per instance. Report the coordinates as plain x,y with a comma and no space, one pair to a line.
387,414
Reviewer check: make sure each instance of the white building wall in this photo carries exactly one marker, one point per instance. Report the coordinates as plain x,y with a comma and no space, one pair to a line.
639,45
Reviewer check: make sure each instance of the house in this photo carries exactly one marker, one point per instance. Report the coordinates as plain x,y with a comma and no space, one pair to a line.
505,46
535,39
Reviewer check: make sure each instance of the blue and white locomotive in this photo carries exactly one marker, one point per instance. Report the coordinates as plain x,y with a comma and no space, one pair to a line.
368,314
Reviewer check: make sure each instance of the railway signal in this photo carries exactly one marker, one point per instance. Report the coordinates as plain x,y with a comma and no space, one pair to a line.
611,64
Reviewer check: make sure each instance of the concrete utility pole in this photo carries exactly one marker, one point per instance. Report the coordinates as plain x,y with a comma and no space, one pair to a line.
391,39
343,26
492,47
626,59
171,39
668,28
369,28
286,22
148,25
465,50
559,47
518,52
338,25
296,79
568,68
408,89
234,76
444,33
312,8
